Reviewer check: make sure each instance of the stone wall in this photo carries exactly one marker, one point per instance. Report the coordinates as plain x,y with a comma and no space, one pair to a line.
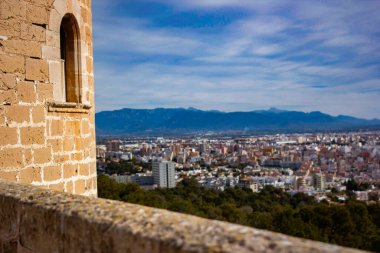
37,220
43,142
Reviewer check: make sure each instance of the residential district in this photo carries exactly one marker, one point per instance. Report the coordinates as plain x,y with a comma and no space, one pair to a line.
315,164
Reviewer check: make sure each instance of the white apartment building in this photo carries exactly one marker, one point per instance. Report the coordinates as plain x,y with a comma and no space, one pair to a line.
164,174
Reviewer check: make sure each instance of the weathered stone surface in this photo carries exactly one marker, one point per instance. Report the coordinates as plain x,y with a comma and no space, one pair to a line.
48,221
44,91
7,81
50,53
36,14
38,114
11,63
9,135
32,135
26,92
42,155
18,114
33,32
23,47
10,28
30,175
11,157
52,173
12,9
8,97
37,70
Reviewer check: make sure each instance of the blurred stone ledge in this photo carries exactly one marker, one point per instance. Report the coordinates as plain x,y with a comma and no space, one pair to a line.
38,220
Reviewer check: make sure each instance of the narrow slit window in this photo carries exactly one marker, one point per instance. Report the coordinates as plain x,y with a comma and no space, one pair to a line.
70,60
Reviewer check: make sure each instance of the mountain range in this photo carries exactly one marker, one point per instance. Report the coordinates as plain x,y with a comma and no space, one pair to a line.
190,121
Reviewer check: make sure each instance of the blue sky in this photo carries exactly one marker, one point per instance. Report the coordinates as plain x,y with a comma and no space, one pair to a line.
238,55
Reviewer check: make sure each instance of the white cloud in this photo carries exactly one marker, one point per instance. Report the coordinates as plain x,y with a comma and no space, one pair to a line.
321,58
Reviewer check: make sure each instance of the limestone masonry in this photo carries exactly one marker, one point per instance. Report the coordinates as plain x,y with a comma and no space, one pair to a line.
47,131
36,220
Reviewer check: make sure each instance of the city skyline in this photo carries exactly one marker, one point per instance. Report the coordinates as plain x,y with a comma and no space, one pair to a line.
236,56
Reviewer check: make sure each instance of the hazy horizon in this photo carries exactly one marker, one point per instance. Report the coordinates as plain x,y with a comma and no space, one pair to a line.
233,55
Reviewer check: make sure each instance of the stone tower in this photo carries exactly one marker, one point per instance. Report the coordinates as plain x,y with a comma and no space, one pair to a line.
47,131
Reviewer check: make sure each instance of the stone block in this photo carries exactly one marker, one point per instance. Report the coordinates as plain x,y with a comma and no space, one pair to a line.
38,114
23,47
11,63
28,157
10,28
57,187
85,127
26,92
52,39
77,156
84,169
52,173
8,97
30,175
68,144
69,187
8,136
42,155
89,64
80,186
33,32
18,113
84,14
79,143
70,170
72,128
56,128
7,81
56,145
32,135
44,91
8,175
12,9
51,53
36,14
61,158
60,7
55,20
37,70
11,158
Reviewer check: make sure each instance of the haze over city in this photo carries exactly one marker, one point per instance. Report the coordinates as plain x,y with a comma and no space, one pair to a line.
238,56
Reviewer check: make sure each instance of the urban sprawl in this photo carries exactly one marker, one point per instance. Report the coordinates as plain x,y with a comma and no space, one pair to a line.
315,164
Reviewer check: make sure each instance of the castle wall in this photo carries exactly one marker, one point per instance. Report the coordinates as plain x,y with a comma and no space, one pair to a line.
42,142
38,220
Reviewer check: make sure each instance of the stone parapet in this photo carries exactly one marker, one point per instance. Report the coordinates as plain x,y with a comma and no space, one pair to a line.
37,220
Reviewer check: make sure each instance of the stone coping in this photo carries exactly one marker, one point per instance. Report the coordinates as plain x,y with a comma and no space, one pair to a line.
38,220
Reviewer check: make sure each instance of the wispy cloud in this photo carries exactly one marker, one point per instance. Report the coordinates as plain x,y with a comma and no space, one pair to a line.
266,54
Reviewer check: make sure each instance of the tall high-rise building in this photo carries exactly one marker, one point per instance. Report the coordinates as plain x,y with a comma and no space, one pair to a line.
164,174
319,181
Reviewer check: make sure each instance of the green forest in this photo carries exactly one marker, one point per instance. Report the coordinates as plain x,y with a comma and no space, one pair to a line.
352,224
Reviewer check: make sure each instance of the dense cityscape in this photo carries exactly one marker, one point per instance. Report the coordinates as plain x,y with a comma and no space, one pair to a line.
320,165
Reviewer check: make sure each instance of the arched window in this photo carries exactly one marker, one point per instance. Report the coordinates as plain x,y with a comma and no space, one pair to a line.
70,59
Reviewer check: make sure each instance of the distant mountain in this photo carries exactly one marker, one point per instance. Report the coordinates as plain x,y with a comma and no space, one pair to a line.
186,121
